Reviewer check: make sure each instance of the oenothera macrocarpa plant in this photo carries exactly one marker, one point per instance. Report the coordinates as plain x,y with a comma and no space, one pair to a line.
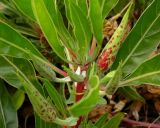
78,42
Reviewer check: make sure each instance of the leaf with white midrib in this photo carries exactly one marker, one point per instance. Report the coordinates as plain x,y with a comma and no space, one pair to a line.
130,54
142,40
147,73
140,77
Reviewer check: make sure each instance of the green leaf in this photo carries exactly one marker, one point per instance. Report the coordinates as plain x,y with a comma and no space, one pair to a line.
142,41
82,30
55,97
67,10
8,114
18,98
39,123
109,52
87,103
92,70
112,85
40,105
83,5
97,25
28,81
48,29
147,73
131,93
14,44
11,45
74,77
120,5
44,69
107,6
115,121
9,68
107,77
57,19
25,7
101,121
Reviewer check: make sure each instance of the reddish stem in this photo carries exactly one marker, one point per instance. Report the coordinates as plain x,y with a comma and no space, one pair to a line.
61,72
79,91
138,123
79,95
65,127
93,47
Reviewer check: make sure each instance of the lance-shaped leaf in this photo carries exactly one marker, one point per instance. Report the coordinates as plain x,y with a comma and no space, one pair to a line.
14,44
112,85
107,77
67,10
101,121
8,114
83,5
107,6
87,103
108,54
115,121
18,98
97,25
57,19
45,21
82,30
56,97
9,67
147,73
25,7
33,88
142,40
41,106
39,123
131,93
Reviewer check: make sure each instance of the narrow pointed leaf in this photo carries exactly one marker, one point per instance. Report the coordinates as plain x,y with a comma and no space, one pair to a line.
101,121
18,98
97,25
115,121
39,123
48,29
25,7
112,85
131,93
87,103
14,44
142,41
55,97
82,30
8,114
41,106
30,84
107,77
67,10
57,19
9,68
83,5
107,6
147,73
109,52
